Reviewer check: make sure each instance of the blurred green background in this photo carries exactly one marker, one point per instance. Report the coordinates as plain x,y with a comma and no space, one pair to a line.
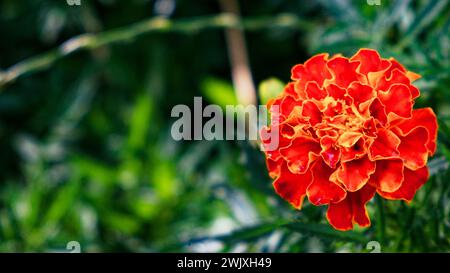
86,152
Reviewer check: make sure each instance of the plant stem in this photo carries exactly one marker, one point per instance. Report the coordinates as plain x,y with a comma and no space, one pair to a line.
156,24
381,220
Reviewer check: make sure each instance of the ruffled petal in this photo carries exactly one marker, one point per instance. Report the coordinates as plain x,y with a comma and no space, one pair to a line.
340,215
349,139
370,127
378,112
384,146
333,108
301,153
323,191
274,167
318,69
287,104
314,69
412,76
397,77
336,92
292,187
360,92
267,133
370,61
413,148
388,176
397,100
354,152
290,91
330,153
360,199
351,210
412,182
311,111
313,91
395,65
426,118
344,71
354,174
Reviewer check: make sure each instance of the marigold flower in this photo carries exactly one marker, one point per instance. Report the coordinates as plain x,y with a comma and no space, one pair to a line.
347,130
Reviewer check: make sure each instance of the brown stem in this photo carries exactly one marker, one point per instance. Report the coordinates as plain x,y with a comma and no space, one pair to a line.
240,69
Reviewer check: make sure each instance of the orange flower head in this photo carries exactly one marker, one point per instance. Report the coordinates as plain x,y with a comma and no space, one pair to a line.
347,130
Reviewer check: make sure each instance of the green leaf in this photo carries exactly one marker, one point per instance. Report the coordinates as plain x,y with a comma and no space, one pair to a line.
121,222
218,92
326,231
62,202
246,234
250,233
140,122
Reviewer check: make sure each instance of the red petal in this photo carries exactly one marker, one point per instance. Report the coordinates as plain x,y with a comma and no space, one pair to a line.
397,77
274,167
299,73
314,69
397,100
336,92
311,110
355,174
413,148
290,90
370,128
301,153
414,91
317,67
360,199
412,76
394,66
426,118
353,152
351,210
337,121
313,91
344,71
266,138
333,108
340,215
287,130
384,146
349,139
322,190
413,181
370,61
377,111
360,92
287,104
330,132
330,154
292,187
388,175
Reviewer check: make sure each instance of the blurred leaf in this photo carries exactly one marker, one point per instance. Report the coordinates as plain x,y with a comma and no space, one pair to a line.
269,89
219,92
62,203
327,231
250,233
121,222
140,122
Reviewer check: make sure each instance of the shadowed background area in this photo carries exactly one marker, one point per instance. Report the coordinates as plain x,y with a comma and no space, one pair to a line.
86,94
